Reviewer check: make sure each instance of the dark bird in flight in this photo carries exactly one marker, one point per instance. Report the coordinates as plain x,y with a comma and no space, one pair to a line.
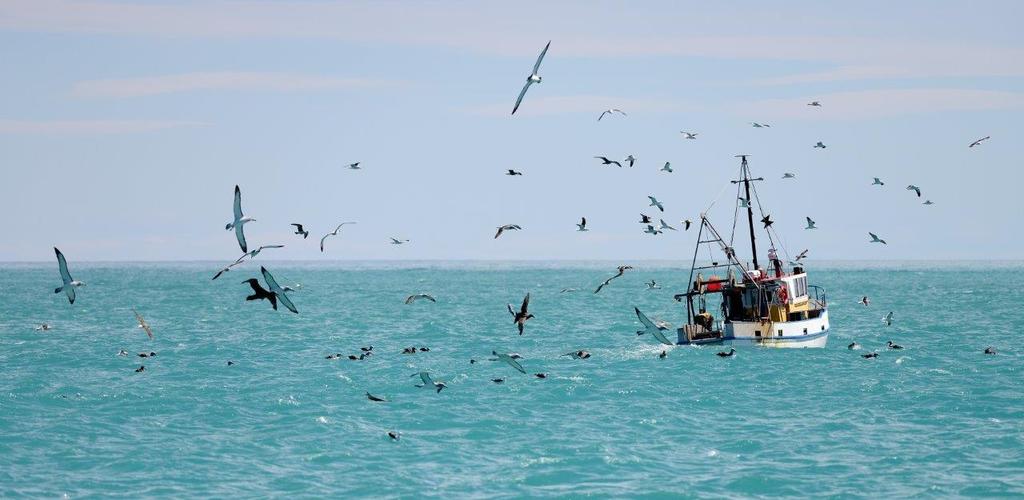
582,225
622,270
606,161
520,318
645,219
513,172
506,227
299,230
979,141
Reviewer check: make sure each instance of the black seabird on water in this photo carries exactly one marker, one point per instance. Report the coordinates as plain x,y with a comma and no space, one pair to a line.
540,375
853,346
44,327
532,79
894,346
990,350
865,300
230,363
332,233
394,435
581,354
371,397
366,349
69,284
520,318
146,354
663,355
300,230
498,380
869,355
239,222
141,368
726,354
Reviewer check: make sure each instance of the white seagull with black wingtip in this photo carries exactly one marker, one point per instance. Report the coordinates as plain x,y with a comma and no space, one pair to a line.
69,284
651,328
532,79
332,233
656,203
276,290
240,221
611,111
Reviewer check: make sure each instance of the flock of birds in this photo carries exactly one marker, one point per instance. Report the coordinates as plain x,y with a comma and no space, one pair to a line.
275,293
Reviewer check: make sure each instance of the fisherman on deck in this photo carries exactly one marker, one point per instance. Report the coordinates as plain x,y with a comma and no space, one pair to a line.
774,257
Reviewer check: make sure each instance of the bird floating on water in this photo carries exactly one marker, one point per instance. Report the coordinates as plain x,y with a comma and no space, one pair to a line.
376,399
869,355
520,318
990,350
865,300
44,327
332,233
532,79
506,227
581,354
239,222
853,346
876,239
300,230
731,352
70,284
894,346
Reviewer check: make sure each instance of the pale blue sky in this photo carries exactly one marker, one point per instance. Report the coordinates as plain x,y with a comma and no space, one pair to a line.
124,126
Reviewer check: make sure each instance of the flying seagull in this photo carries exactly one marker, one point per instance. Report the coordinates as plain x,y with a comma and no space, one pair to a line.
606,161
506,227
645,219
520,318
801,255
611,111
651,328
69,284
428,382
760,125
629,159
651,230
689,135
413,298
396,241
914,189
332,233
142,323
656,203
876,239
354,166
878,182
582,225
513,172
276,291
239,221
687,224
814,103
664,225
254,253
510,359
928,202
622,270
979,141
788,175
299,230
810,223
820,145
532,79
667,167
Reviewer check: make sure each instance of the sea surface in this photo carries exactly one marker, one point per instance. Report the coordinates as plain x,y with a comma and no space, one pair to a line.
936,419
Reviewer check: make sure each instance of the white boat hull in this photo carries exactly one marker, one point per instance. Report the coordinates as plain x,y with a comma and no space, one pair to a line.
811,332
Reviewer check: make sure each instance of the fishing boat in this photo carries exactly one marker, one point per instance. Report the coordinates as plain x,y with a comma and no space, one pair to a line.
772,306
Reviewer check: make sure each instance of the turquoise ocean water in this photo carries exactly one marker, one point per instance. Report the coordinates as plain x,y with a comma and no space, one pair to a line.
938,418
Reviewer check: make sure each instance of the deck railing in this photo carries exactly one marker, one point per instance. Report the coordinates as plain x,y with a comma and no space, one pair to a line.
819,296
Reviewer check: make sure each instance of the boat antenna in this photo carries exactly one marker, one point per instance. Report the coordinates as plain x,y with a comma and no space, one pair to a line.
745,172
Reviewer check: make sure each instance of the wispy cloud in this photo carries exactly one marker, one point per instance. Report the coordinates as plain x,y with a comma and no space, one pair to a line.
593,104
186,82
90,126
870,104
514,29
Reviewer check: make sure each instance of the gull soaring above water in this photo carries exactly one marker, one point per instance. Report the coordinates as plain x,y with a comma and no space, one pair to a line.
239,222
332,233
656,203
582,225
611,111
506,227
532,79
606,161
69,284
667,167
651,328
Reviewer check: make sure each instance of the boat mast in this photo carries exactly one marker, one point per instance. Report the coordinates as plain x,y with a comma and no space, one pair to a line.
750,207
